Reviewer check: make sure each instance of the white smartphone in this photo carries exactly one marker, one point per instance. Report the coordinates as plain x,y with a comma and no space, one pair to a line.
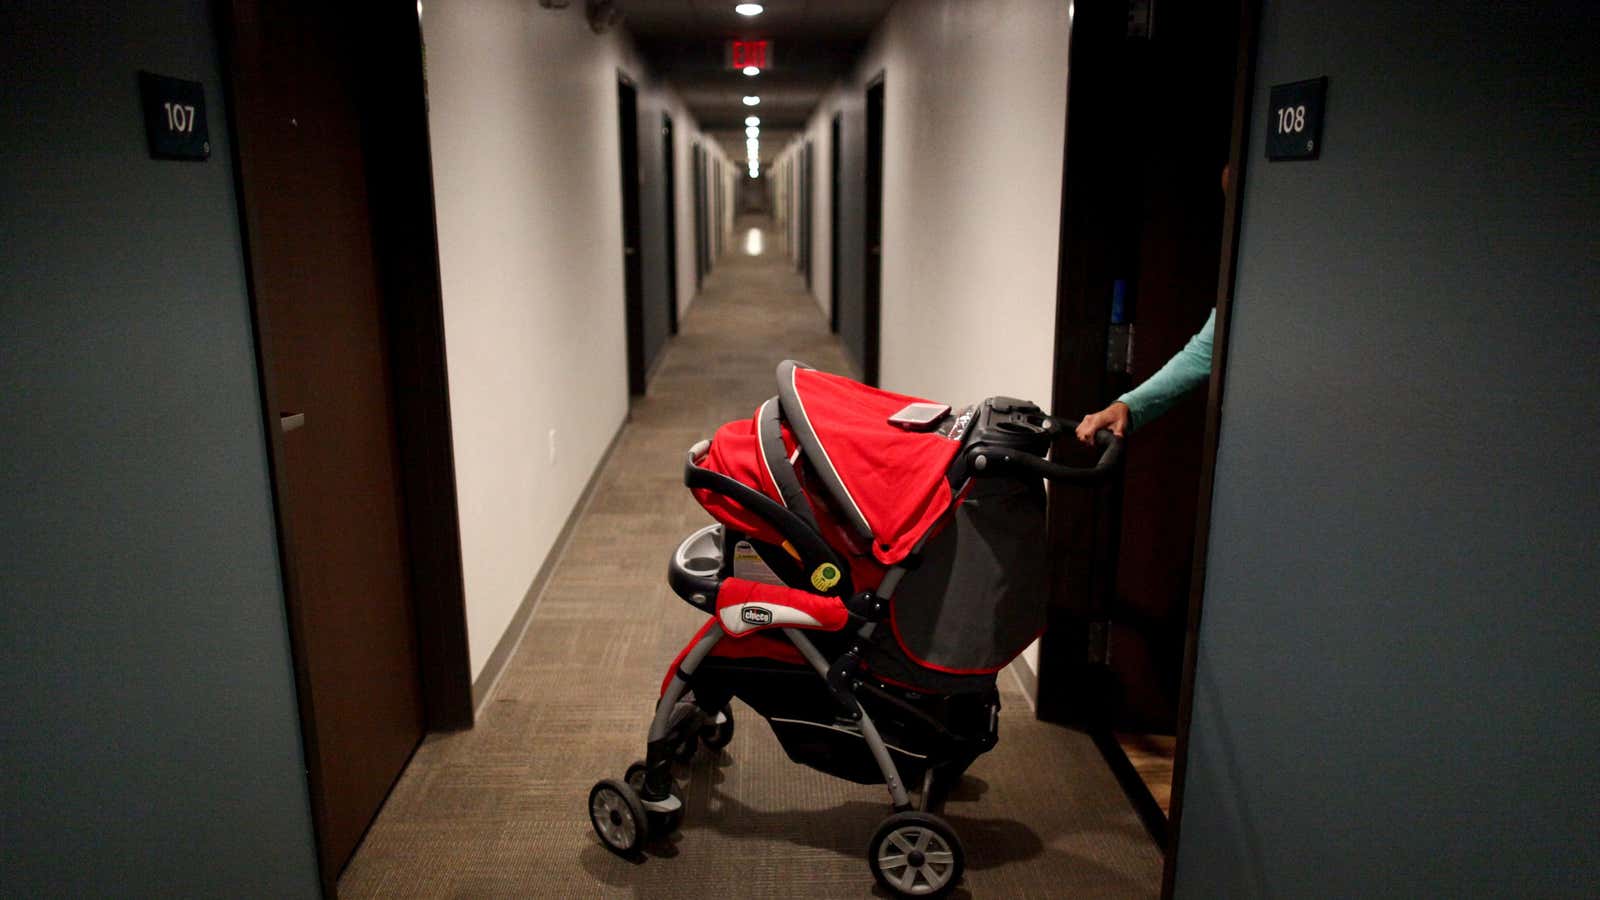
920,416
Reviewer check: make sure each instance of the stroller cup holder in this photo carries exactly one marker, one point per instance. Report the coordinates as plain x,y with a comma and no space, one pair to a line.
695,570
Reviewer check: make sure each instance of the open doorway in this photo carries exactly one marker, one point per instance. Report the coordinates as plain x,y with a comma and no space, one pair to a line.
1147,237
632,264
335,190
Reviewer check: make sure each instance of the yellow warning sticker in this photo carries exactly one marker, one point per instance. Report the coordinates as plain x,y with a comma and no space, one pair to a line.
825,576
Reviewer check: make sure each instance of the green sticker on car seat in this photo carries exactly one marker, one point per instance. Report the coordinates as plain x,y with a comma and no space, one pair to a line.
825,576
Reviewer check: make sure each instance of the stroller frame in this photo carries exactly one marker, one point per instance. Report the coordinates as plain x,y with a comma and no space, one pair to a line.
914,852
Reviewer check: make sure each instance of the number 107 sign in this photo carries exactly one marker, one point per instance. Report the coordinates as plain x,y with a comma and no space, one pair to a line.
174,117
1294,119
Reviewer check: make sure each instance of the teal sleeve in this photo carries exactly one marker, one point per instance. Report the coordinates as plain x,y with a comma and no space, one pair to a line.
1186,370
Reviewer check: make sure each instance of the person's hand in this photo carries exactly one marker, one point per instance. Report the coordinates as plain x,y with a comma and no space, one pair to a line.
1114,417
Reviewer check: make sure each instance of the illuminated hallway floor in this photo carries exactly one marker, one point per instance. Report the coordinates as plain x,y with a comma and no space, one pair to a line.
499,811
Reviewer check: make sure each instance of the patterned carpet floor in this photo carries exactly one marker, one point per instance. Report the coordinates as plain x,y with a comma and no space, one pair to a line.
499,811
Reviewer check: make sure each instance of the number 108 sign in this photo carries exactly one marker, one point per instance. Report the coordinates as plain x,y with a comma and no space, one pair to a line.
1294,119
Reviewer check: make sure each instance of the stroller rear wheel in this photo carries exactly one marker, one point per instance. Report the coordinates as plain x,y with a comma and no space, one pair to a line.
916,854
618,817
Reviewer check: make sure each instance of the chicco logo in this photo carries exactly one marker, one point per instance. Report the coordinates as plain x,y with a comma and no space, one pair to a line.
755,615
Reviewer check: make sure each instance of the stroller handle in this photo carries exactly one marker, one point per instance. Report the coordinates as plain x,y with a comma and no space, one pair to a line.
985,458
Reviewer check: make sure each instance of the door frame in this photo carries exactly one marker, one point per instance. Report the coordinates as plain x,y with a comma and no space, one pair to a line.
405,243
1084,279
1232,220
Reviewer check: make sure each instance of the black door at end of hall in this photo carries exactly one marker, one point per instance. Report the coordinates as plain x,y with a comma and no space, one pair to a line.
633,275
834,177
808,205
872,291
701,253
669,166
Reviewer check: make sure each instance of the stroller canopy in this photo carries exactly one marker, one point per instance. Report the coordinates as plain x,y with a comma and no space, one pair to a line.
889,484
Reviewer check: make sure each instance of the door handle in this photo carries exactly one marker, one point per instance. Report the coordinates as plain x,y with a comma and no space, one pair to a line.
290,421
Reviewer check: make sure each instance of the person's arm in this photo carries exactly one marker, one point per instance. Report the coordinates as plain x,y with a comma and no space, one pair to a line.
1186,370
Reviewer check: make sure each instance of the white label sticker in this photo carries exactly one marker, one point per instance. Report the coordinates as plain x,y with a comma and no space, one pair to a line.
747,564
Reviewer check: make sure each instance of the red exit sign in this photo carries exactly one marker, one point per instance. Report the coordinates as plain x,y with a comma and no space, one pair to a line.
747,53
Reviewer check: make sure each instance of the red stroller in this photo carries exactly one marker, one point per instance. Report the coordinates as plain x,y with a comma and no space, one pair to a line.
874,564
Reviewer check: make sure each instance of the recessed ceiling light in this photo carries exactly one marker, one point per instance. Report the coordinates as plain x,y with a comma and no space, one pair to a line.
752,131
748,9
752,71
752,120
751,101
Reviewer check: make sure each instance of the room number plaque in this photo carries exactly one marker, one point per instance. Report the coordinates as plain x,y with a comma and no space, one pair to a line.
174,117
1294,119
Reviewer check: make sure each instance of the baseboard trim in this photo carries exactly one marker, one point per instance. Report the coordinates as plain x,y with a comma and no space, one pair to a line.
1027,681
484,685
655,364
1133,787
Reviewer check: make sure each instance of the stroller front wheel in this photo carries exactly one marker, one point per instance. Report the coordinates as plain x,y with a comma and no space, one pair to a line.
916,854
618,817
660,823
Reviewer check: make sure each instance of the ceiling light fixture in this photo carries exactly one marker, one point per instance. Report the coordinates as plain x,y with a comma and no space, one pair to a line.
752,71
752,131
752,101
748,9
752,120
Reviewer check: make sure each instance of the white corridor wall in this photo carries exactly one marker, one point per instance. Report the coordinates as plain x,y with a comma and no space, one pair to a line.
974,126
523,119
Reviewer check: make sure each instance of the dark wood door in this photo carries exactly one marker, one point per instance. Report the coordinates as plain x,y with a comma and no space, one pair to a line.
632,267
717,222
668,155
325,365
872,293
833,223
1143,229
1151,233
